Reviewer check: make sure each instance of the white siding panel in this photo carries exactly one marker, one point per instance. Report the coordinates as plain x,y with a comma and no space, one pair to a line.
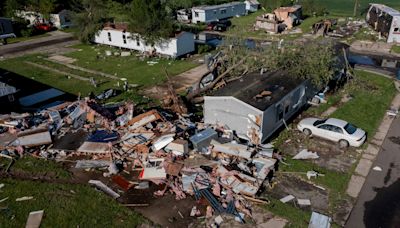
168,47
229,111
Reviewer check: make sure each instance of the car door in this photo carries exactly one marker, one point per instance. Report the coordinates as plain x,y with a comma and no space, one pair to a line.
323,131
329,132
337,133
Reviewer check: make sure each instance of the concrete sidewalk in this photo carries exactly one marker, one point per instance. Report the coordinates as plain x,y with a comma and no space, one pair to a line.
364,165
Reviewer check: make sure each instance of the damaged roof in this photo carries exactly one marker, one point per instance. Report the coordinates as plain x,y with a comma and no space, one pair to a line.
251,85
386,9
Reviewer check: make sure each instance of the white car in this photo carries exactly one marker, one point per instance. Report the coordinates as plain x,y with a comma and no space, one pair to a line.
333,129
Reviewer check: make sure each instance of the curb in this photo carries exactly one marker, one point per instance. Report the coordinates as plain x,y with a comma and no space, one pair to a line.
368,157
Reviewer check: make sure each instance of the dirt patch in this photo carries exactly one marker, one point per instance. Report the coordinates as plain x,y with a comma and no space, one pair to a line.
288,184
342,211
330,155
180,82
62,59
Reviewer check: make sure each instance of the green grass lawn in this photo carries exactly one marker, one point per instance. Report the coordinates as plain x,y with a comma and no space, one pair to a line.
40,167
243,27
55,80
365,110
370,102
23,38
71,205
395,49
345,7
131,67
135,70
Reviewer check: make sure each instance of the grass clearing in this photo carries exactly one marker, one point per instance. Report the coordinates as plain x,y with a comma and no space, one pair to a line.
39,167
73,86
131,67
297,217
346,7
371,97
395,49
64,206
370,101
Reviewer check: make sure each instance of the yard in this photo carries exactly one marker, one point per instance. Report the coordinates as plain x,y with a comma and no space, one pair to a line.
345,7
143,73
65,201
64,205
395,49
371,98
243,27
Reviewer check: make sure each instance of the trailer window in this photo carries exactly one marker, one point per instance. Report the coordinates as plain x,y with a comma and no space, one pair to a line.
396,29
109,36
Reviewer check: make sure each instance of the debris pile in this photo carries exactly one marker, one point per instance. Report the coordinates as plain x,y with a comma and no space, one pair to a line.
183,157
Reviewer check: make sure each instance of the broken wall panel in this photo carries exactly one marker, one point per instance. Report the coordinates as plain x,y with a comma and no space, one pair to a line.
35,137
94,148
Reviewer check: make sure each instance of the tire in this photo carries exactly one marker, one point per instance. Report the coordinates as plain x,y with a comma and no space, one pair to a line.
343,144
307,131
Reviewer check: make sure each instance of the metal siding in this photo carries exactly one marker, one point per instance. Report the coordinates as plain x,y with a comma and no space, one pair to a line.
229,111
209,16
270,122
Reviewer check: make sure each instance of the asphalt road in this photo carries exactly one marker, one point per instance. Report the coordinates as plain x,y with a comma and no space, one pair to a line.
56,40
378,204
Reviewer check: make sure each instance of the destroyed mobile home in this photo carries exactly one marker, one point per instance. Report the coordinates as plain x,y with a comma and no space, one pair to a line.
255,107
151,148
283,18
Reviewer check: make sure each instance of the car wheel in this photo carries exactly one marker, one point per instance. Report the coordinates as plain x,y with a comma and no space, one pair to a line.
343,144
307,131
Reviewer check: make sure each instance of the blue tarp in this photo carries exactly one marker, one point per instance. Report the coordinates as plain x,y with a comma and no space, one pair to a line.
103,136
40,97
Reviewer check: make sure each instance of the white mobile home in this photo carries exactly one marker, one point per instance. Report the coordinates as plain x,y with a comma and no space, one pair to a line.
252,5
208,14
117,35
386,21
257,106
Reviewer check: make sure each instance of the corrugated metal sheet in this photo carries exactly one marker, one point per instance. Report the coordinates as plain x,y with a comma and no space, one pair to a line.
319,221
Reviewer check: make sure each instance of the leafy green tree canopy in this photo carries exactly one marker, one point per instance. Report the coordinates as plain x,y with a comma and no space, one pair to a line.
150,19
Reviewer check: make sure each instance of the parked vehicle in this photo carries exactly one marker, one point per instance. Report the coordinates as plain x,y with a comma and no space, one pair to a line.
335,130
219,25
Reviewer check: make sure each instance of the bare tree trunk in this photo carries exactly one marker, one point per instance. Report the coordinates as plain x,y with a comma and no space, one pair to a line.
355,8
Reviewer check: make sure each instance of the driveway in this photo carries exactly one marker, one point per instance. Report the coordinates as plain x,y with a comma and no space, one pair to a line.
56,42
378,204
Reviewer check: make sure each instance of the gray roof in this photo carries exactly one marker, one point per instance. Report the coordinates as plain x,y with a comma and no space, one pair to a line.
245,89
392,12
213,7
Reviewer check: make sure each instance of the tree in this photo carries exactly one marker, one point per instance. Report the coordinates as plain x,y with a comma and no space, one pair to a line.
149,19
89,17
10,6
45,7
310,60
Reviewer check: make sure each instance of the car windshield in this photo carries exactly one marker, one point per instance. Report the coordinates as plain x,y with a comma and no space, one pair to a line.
318,122
350,128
